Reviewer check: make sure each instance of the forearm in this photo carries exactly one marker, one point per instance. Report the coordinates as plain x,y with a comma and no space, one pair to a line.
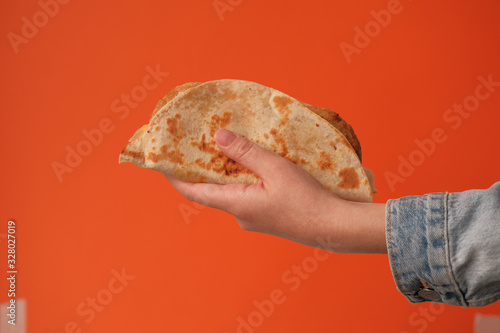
361,228
344,226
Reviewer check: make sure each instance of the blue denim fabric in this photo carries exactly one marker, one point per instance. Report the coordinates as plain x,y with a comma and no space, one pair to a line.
446,242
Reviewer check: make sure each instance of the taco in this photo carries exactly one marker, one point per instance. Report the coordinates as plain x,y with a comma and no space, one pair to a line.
179,139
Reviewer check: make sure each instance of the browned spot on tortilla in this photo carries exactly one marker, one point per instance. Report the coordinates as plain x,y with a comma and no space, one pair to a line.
280,140
154,148
134,154
172,126
317,125
217,122
294,158
203,145
282,103
173,156
325,163
153,157
157,128
200,163
349,178
218,162
219,94
231,168
333,144
225,165
153,140
303,161
266,135
210,93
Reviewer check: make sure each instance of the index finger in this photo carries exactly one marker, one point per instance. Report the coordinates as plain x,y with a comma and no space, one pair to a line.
224,197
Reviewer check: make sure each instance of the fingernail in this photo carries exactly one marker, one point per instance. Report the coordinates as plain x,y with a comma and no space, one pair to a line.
224,137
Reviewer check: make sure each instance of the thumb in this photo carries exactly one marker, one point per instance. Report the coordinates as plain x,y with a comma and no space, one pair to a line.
247,153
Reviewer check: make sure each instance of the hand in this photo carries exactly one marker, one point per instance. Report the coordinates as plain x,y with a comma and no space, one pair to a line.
288,202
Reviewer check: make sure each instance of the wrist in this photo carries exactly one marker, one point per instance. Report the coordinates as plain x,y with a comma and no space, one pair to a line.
361,227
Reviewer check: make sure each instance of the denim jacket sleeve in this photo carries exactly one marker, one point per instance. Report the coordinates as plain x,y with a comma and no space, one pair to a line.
445,247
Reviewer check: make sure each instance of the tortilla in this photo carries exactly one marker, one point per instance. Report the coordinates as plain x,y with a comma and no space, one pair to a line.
329,115
179,140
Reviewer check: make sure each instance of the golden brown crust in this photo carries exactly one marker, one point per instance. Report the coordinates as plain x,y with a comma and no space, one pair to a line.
336,121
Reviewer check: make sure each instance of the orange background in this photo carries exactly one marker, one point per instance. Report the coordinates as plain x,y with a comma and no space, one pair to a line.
200,272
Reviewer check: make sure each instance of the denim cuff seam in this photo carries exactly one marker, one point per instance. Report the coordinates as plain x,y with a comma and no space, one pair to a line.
446,220
392,264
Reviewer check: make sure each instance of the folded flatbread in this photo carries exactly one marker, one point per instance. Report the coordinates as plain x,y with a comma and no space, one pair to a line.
179,139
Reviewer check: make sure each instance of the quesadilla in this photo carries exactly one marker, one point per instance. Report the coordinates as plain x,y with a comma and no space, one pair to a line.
179,139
